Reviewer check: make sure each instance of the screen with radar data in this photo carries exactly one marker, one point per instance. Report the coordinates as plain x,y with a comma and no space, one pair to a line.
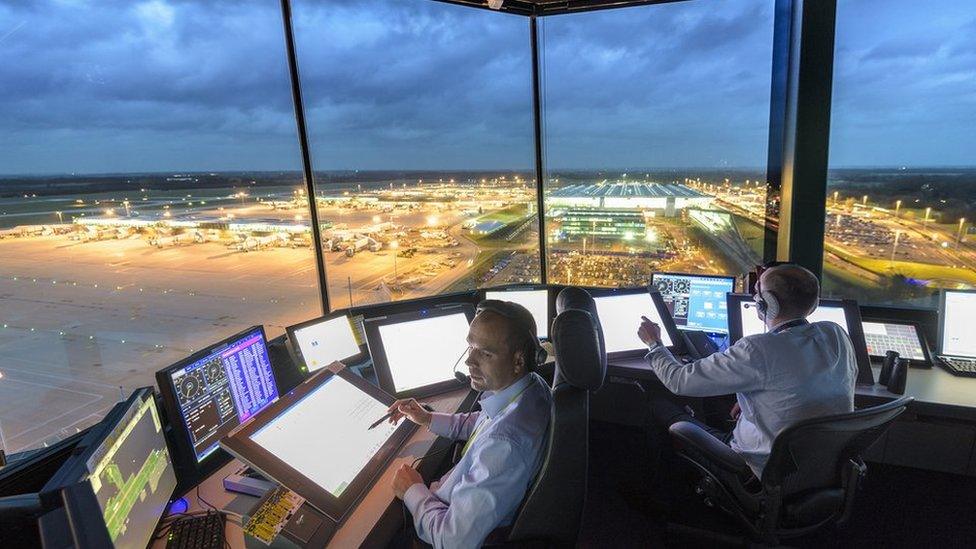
325,436
958,319
132,476
696,302
221,387
620,317
324,342
751,325
536,301
424,351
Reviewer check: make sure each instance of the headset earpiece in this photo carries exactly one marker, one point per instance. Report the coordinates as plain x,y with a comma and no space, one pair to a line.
771,304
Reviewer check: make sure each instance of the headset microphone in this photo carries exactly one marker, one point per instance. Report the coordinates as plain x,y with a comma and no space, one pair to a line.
461,376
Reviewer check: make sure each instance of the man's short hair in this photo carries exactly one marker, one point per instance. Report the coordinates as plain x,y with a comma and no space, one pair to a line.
795,287
519,325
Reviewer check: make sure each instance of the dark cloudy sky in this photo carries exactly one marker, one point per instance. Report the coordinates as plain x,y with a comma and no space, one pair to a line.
106,86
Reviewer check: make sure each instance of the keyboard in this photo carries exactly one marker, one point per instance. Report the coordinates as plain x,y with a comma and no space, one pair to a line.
956,366
203,532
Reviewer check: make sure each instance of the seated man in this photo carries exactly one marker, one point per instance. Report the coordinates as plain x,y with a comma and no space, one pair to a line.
794,371
504,440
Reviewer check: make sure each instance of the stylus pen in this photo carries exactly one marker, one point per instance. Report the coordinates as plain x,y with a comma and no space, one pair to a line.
387,416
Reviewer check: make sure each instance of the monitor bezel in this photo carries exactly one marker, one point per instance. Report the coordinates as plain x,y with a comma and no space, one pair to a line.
926,351
852,313
296,351
185,456
942,305
730,278
239,444
677,344
550,301
381,364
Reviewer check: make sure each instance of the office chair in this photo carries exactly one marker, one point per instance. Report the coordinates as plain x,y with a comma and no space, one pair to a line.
552,511
808,483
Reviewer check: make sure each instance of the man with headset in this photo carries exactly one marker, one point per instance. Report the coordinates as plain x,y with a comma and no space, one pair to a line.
796,370
504,444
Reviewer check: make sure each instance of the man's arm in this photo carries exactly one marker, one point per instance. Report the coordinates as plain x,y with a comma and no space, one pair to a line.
490,490
739,369
453,426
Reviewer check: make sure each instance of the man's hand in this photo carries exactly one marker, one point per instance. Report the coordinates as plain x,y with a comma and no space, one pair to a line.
735,412
649,332
409,408
405,477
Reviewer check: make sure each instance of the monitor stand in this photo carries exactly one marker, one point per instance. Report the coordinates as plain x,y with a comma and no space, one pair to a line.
248,481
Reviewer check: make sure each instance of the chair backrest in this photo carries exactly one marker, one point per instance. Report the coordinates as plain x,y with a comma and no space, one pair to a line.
811,454
553,507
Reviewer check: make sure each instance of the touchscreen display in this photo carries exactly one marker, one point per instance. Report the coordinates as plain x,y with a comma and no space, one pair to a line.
957,324
325,342
536,301
620,317
325,435
751,325
423,352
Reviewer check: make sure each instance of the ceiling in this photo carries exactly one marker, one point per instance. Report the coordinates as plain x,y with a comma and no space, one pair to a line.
554,7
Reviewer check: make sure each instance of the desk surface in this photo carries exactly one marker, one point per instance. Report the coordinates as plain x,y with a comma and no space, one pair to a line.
930,386
365,516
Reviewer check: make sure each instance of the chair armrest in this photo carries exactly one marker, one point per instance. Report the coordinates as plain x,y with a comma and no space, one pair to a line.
711,448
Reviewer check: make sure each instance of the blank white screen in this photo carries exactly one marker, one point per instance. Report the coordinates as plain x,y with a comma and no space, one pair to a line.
751,325
325,435
957,325
536,301
620,317
326,342
423,352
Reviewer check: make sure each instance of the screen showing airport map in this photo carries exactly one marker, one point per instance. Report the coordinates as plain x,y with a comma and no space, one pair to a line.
132,476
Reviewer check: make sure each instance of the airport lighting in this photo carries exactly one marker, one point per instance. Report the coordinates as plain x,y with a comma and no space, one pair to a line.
393,246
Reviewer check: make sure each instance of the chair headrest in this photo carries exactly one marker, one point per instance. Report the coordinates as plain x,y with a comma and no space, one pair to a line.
572,297
580,361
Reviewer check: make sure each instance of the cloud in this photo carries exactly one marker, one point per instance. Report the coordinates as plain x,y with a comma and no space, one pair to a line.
387,84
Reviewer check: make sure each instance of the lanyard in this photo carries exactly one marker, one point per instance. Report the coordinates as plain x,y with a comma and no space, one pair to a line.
481,425
791,324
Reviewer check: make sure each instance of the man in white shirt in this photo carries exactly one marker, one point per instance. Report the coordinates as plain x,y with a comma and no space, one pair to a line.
796,370
505,439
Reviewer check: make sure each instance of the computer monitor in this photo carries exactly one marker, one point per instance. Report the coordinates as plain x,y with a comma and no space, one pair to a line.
957,316
127,465
747,321
316,440
744,321
696,302
905,339
322,341
620,313
416,353
214,390
535,299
